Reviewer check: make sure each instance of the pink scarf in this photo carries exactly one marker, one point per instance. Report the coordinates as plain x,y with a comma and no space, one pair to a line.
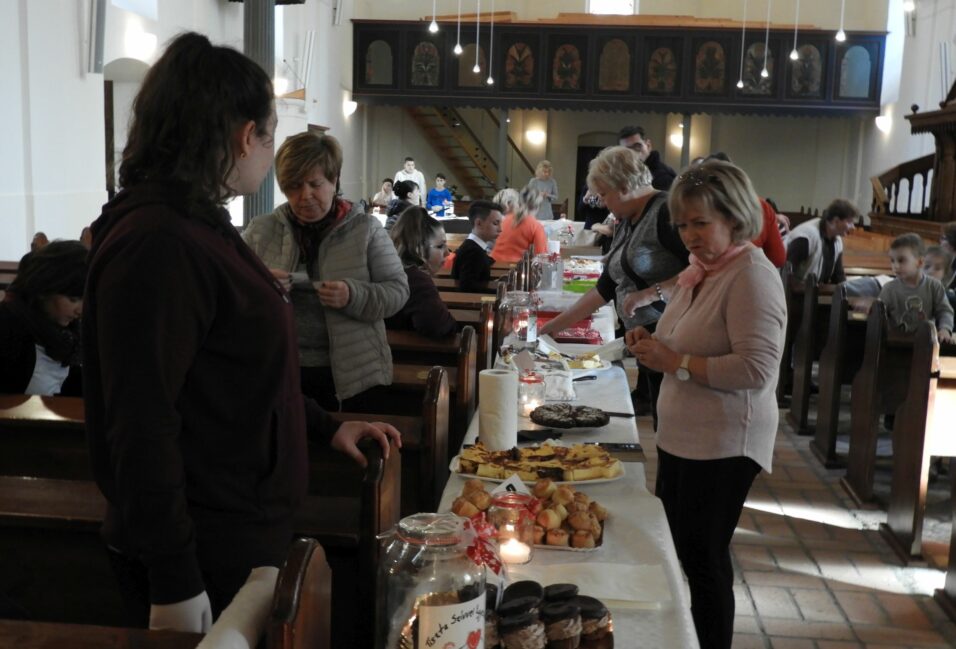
695,273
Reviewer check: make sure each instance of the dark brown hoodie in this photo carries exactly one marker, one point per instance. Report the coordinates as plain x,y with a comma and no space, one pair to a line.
195,418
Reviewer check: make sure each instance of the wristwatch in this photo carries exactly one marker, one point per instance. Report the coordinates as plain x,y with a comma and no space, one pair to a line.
683,373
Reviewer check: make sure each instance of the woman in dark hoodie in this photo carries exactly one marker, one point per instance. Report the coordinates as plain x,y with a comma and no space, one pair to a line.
39,322
196,422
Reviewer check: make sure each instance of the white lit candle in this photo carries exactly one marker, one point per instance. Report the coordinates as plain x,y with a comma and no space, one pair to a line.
529,406
514,551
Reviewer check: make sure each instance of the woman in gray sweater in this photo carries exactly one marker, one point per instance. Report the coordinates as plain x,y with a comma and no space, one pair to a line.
718,344
341,270
543,184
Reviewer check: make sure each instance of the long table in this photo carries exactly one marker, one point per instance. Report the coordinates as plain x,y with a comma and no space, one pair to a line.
637,533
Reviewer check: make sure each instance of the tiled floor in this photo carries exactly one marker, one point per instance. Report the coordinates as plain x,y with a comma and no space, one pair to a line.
813,572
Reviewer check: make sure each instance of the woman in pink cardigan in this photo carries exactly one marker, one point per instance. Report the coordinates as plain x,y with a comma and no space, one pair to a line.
718,344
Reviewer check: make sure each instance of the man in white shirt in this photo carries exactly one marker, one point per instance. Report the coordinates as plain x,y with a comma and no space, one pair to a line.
409,172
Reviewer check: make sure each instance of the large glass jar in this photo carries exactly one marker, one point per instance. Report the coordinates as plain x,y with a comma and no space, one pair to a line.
531,392
523,313
548,272
431,593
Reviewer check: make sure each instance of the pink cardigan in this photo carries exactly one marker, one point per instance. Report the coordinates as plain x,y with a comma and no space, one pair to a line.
737,321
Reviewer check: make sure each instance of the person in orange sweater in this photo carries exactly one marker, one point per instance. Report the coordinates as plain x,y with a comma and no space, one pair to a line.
520,229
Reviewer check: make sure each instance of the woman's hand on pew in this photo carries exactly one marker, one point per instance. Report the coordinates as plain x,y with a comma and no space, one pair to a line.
350,433
193,615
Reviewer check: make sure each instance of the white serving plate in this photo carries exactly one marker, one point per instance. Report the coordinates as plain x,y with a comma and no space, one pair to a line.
455,468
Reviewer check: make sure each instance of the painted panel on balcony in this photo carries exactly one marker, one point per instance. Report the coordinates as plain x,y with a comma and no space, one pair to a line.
756,59
806,73
662,75
426,66
567,55
855,72
710,69
614,72
519,67
467,77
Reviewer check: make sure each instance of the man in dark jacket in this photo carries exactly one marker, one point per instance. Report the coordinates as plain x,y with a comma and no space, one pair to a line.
472,265
633,137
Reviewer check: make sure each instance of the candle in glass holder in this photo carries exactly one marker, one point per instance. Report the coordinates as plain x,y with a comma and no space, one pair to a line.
531,391
514,551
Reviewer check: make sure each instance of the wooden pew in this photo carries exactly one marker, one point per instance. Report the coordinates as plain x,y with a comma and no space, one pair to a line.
53,562
299,617
459,300
925,429
794,302
302,605
449,284
347,507
414,354
805,351
839,363
946,596
879,387
424,444
43,437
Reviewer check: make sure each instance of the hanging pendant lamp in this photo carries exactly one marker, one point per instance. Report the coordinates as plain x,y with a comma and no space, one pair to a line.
743,31
433,27
458,37
491,46
841,35
794,55
766,43
477,67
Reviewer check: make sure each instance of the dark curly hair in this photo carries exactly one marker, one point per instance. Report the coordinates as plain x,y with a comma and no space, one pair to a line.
59,268
184,116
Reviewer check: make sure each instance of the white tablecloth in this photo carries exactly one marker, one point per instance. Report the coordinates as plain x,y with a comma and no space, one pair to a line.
636,534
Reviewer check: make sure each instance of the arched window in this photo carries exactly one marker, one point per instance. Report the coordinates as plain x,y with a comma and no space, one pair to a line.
378,64
855,70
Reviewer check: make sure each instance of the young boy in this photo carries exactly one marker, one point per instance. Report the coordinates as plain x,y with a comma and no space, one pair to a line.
913,296
472,267
437,196
939,265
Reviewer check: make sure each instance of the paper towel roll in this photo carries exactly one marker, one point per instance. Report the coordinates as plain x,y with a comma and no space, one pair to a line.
498,409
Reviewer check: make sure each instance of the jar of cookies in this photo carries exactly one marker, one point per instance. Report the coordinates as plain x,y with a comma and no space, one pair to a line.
431,593
531,392
513,517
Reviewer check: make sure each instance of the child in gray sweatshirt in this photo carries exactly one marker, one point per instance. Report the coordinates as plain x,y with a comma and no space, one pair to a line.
913,296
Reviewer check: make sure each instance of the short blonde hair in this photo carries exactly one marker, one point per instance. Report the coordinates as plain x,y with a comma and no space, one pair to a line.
722,187
529,202
544,164
303,153
507,198
620,168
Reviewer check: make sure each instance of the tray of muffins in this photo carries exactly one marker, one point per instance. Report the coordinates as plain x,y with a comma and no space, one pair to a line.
554,617
565,519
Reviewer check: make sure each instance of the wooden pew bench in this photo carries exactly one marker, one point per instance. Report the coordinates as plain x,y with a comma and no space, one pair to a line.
449,284
840,360
43,437
299,617
413,356
925,429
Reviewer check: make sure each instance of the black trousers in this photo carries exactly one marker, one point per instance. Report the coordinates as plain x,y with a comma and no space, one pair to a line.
703,500
317,383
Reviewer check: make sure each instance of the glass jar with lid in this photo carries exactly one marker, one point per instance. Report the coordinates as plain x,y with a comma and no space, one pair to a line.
521,308
430,591
512,515
531,391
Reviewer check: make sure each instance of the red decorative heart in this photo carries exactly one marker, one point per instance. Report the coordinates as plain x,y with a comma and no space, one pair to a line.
473,639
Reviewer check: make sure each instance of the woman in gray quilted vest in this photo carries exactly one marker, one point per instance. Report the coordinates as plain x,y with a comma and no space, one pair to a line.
646,253
340,269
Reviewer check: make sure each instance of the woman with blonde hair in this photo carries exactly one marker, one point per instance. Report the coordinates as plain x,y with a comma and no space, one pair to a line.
520,228
544,186
352,278
718,344
421,245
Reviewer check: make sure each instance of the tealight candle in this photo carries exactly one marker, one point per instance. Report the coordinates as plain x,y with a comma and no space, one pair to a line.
514,551
529,406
